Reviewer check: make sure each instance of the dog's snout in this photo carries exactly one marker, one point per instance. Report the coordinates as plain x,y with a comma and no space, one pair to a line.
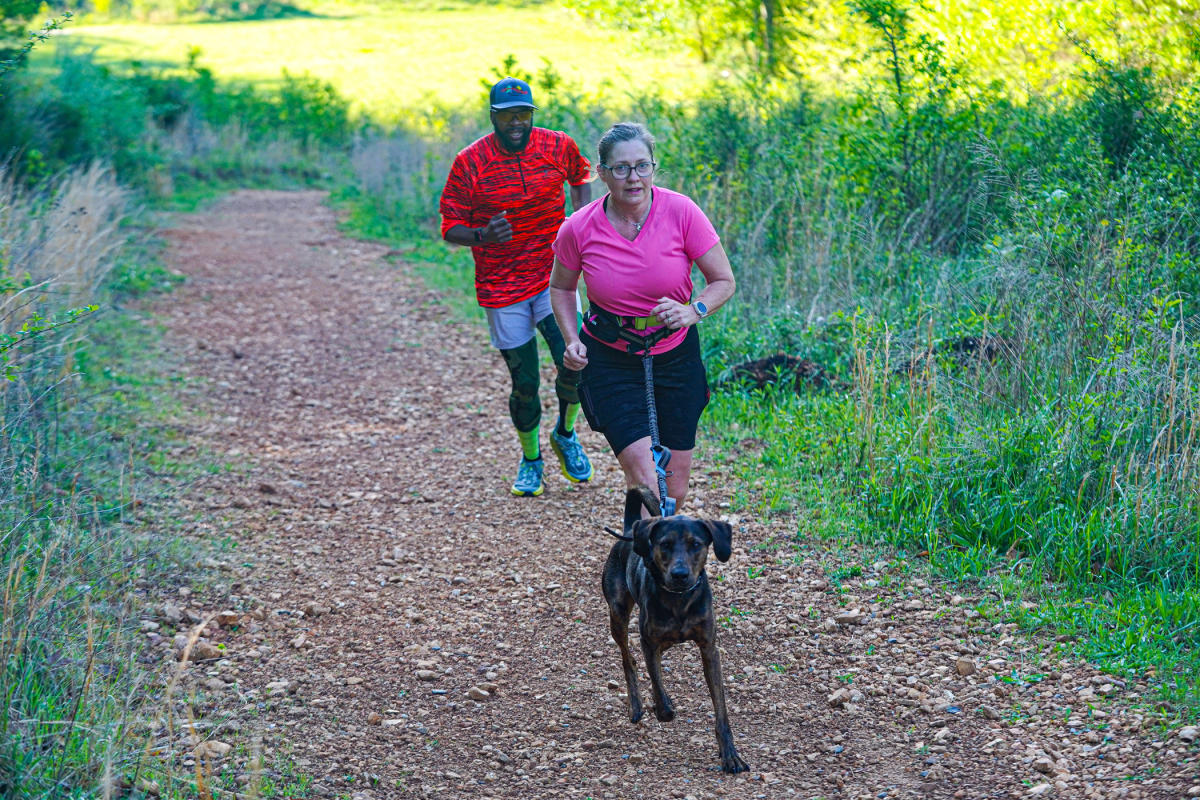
680,571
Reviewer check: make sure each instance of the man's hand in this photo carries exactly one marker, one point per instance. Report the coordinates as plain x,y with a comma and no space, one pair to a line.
498,229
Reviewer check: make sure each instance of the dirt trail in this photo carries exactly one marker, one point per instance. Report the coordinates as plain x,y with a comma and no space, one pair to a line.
378,571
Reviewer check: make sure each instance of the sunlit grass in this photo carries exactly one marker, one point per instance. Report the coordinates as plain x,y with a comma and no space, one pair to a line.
389,59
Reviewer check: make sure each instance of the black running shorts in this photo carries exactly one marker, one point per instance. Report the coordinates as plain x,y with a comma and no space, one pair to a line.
613,393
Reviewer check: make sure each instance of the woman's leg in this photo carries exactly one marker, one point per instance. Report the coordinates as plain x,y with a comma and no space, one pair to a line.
638,465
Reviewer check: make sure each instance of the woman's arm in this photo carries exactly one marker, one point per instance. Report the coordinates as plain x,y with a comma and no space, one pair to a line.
719,286
563,285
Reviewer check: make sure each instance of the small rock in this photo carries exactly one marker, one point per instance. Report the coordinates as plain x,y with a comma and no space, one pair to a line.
212,749
214,685
316,610
964,667
426,675
1044,766
227,619
299,641
478,693
203,650
818,585
1194,791
1189,734
374,718
839,698
853,616
1039,790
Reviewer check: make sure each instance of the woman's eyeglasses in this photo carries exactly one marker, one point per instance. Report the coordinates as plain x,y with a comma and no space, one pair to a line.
505,117
644,169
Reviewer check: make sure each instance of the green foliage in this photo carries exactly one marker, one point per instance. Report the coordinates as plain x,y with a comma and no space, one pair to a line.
165,131
758,33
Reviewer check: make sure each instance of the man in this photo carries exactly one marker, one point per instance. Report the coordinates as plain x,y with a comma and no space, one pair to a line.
504,199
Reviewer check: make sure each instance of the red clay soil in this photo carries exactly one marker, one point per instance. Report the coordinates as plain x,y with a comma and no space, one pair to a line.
393,623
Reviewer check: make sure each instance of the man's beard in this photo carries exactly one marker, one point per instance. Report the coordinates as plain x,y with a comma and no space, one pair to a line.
506,143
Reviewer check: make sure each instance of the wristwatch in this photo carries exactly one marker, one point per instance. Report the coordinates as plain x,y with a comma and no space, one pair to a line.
701,309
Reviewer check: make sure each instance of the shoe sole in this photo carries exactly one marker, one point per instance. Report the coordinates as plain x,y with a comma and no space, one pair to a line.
562,465
519,493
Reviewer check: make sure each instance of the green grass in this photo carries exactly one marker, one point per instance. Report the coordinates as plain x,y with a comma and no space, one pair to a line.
394,58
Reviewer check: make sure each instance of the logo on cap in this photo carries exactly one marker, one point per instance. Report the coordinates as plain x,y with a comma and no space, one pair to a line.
511,93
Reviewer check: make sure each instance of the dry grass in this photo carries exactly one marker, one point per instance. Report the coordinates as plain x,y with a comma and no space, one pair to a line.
57,244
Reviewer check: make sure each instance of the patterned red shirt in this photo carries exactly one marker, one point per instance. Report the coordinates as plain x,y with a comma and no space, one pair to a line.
487,179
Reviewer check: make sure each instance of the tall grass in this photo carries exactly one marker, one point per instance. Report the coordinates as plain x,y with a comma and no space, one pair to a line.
72,562
61,645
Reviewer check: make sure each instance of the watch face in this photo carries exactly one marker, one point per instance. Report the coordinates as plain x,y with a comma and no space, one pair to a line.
701,308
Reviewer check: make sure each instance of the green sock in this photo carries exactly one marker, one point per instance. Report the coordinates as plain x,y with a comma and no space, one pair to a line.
568,412
529,444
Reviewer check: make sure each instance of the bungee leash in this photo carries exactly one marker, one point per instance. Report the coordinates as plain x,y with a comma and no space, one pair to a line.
609,327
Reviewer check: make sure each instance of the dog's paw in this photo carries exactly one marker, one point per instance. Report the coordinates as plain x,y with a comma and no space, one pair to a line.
732,763
636,716
665,712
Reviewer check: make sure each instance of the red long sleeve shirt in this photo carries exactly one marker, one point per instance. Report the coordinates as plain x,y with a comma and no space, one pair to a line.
486,179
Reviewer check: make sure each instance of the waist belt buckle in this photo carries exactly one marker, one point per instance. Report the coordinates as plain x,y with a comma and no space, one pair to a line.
642,323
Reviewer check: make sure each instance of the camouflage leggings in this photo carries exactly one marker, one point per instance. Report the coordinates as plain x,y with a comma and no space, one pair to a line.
522,362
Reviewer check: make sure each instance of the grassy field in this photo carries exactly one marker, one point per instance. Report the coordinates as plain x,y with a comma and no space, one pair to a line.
389,59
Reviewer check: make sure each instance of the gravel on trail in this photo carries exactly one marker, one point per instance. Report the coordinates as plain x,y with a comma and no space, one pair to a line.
382,617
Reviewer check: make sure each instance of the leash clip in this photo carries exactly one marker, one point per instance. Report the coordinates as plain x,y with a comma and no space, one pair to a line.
662,457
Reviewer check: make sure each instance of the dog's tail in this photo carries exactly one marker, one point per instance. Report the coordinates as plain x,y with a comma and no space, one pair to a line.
635,498
620,536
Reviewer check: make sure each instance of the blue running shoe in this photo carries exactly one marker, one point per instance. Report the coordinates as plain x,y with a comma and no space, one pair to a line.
529,478
575,464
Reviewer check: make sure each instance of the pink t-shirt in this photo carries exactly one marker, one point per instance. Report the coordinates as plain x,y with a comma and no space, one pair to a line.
627,278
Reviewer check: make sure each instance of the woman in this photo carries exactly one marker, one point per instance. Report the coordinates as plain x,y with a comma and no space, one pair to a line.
635,248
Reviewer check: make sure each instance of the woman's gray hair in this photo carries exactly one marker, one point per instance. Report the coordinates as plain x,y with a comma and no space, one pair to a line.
624,132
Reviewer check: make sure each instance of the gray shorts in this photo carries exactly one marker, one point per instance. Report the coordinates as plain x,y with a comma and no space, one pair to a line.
513,326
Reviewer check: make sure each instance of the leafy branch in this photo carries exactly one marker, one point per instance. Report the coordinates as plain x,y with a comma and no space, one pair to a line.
33,327
33,40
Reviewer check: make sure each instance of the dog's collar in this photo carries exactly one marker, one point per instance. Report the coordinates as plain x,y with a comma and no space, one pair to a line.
663,586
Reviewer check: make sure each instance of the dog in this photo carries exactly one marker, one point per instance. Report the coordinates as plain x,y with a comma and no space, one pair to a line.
659,565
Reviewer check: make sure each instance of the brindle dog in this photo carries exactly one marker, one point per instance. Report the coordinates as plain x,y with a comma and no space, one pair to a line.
659,564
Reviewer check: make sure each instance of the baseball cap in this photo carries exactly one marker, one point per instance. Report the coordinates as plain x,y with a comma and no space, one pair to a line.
511,93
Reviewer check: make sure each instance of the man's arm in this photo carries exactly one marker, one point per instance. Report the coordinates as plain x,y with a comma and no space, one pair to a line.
498,229
581,195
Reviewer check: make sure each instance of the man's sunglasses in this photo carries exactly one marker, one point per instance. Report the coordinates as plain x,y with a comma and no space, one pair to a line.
505,117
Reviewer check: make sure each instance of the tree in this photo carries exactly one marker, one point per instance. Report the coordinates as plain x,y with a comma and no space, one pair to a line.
711,29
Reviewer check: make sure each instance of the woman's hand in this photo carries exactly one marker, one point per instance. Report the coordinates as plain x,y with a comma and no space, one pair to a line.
674,314
575,356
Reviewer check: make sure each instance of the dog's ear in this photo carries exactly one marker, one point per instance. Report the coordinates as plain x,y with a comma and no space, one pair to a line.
642,532
722,539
